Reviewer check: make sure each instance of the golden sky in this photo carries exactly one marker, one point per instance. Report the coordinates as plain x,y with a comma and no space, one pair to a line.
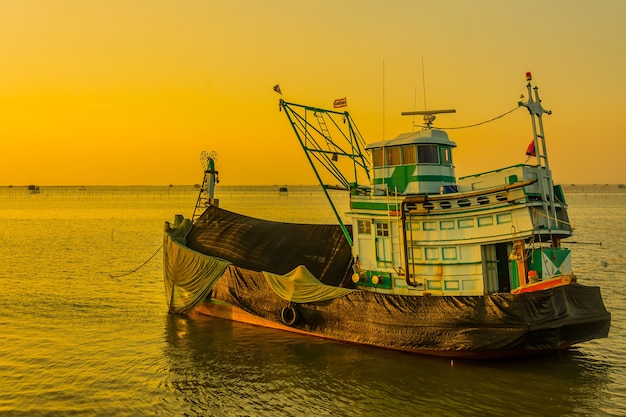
116,92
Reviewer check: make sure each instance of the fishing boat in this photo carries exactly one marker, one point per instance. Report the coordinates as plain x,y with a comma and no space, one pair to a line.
420,261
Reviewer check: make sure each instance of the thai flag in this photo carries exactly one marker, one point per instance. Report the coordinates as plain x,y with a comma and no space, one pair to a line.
340,102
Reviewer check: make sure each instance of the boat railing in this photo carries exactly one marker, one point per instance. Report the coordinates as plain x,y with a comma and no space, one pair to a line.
510,193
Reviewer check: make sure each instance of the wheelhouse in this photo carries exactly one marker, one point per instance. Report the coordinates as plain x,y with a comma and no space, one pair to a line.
414,163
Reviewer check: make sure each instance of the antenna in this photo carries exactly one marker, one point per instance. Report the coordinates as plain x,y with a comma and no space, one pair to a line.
424,82
429,115
383,99
414,105
423,92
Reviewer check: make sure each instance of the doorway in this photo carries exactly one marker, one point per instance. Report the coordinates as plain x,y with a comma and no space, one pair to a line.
496,271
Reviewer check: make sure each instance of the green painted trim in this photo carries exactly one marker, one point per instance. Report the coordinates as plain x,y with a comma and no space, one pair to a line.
449,253
402,176
465,223
433,284
452,285
497,208
436,178
432,253
485,221
370,205
429,225
444,263
515,275
447,224
556,255
386,284
504,218
486,240
559,194
417,178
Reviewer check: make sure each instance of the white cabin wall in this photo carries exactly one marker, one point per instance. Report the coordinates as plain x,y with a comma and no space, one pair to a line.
500,177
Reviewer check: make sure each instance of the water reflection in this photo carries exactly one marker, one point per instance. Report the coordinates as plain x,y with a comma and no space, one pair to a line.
223,368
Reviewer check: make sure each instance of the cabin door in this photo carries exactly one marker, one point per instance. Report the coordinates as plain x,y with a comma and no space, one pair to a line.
365,244
366,255
383,245
496,273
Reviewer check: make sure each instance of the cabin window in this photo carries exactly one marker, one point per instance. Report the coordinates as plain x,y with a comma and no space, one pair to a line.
365,227
408,154
393,156
446,156
427,154
382,229
378,157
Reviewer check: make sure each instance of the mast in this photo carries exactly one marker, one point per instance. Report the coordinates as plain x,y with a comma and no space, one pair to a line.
546,186
206,197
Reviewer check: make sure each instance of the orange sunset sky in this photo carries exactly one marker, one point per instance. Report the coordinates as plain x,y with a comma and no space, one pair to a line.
129,92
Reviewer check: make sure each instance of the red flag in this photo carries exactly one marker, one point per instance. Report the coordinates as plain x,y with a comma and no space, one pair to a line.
277,89
340,102
530,151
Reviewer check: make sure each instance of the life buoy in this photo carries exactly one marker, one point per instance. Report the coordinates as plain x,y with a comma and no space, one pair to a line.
289,315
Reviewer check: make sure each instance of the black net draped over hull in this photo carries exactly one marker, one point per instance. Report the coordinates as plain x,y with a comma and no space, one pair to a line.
495,325
262,245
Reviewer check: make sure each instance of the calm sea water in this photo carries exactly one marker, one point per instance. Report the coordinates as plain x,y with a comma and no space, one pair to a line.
82,334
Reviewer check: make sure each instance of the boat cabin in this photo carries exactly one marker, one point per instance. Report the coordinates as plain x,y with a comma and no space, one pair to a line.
414,163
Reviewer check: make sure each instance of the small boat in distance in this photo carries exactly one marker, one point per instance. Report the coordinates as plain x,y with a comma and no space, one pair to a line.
428,263
33,189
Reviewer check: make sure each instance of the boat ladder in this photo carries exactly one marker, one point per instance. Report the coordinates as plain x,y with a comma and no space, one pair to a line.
322,123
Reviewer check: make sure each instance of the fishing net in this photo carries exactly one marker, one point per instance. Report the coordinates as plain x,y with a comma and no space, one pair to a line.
276,247
301,286
489,326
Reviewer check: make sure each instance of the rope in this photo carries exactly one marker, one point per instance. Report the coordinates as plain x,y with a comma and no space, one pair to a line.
537,214
476,124
139,267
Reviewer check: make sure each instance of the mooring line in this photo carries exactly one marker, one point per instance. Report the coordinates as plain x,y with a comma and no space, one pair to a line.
139,267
